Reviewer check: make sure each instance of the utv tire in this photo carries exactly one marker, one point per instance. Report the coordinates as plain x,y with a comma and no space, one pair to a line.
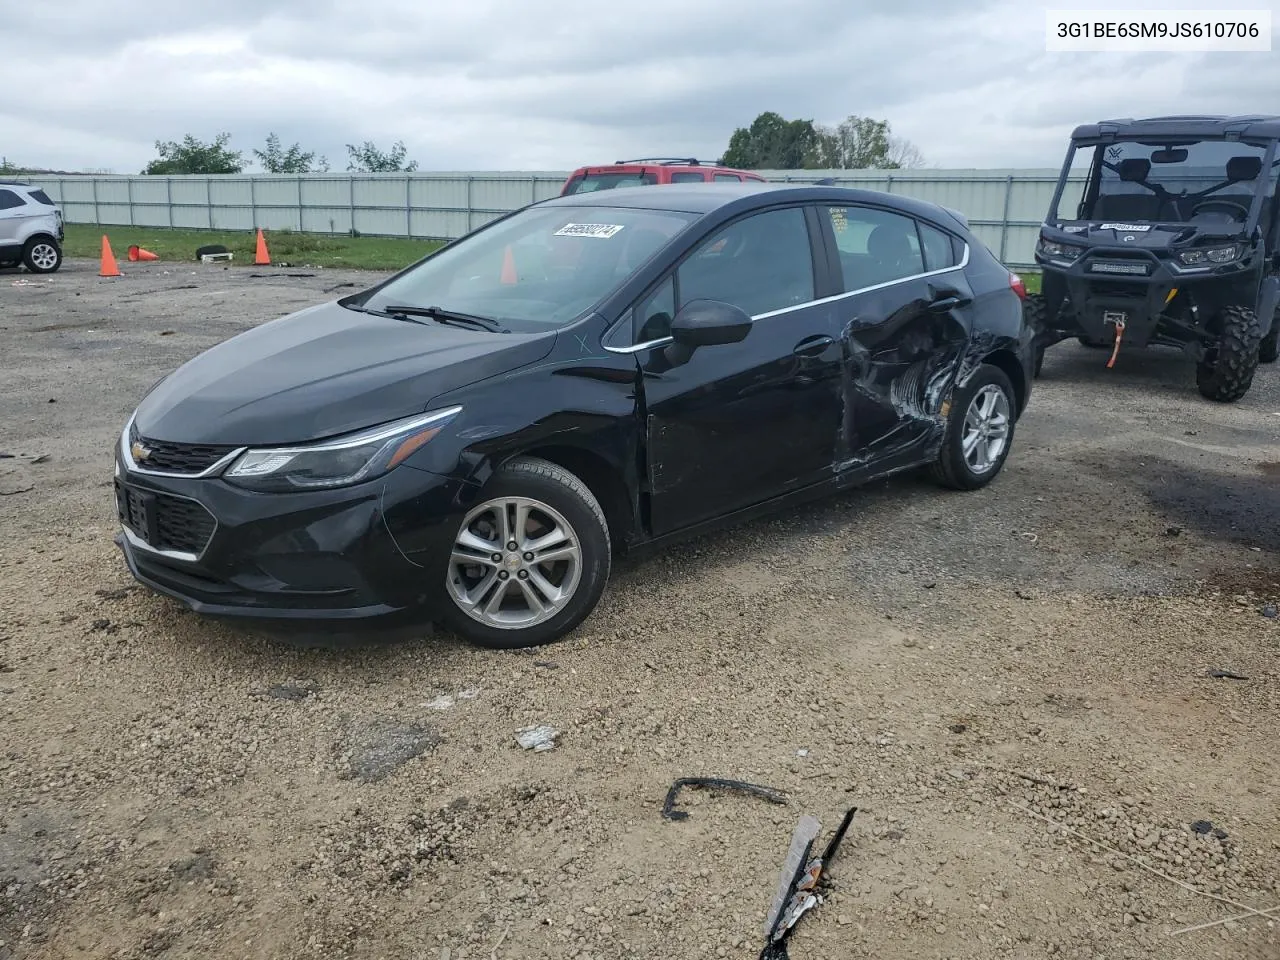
989,400
1033,311
554,499
42,255
1267,350
1226,373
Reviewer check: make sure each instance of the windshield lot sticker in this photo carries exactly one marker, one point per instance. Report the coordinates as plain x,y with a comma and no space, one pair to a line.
600,231
1127,227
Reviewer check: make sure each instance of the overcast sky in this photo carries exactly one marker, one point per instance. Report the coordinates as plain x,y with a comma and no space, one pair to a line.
513,84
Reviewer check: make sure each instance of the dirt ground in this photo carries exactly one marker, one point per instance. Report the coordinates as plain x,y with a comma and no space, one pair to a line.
991,678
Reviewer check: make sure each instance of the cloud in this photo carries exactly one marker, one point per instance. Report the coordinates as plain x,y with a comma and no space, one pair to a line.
500,84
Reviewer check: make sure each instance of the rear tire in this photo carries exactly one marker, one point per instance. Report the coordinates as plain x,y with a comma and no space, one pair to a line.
1270,346
1226,373
987,400
556,504
42,255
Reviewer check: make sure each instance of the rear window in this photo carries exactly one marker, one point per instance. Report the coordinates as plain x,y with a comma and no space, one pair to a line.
609,181
39,196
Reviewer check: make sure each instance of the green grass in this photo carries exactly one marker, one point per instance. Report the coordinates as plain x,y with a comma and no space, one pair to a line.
1031,279
284,246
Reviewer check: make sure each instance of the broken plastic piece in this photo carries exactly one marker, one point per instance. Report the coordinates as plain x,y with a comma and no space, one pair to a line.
537,738
767,793
801,875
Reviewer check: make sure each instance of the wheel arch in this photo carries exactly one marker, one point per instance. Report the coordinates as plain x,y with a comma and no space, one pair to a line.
601,477
1007,361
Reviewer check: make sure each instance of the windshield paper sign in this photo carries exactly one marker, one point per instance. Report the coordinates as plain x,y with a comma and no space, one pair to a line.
1126,227
600,231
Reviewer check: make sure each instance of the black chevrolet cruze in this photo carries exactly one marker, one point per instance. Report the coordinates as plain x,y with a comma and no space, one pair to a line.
473,440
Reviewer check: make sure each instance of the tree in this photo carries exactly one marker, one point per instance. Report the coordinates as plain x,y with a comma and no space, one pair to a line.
772,143
367,158
275,159
904,153
8,169
193,156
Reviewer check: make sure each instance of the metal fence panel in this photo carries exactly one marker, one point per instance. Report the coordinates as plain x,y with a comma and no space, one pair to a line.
1004,207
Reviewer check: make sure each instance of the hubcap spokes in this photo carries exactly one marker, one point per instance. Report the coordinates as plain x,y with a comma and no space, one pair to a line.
516,562
44,256
986,429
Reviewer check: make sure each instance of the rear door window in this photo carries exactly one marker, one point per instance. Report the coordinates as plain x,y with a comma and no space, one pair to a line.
731,177
875,246
687,176
9,200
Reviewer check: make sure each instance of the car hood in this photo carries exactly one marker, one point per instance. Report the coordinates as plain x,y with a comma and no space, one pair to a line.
321,372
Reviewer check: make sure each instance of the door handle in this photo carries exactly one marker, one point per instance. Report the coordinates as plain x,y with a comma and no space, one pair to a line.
812,346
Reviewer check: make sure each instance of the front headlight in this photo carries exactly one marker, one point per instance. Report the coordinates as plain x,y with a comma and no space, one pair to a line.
1060,251
337,463
1207,255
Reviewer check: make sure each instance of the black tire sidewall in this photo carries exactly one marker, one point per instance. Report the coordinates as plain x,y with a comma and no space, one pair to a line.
596,562
30,245
954,465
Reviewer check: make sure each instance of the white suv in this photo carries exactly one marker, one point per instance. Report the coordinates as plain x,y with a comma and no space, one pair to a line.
30,228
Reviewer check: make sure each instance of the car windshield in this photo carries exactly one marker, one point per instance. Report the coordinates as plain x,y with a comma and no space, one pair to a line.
591,182
540,268
1166,182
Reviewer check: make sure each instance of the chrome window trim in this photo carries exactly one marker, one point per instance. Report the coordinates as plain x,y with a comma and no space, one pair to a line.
964,262
132,466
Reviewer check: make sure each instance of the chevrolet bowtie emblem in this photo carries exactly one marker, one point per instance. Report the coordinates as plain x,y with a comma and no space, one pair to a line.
139,451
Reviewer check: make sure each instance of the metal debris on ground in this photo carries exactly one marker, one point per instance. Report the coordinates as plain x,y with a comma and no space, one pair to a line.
1226,675
537,738
799,881
669,813
447,701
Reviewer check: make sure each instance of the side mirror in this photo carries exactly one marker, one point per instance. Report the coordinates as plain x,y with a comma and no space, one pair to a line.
706,323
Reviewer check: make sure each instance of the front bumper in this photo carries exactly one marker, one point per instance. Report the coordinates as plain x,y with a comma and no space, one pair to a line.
371,551
1084,297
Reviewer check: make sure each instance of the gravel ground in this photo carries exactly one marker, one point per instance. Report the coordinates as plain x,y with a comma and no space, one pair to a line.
1012,686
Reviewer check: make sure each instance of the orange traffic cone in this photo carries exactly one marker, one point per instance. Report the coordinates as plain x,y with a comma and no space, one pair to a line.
509,268
262,258
109,266
136,253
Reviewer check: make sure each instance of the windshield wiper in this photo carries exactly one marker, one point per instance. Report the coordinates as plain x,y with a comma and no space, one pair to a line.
447,316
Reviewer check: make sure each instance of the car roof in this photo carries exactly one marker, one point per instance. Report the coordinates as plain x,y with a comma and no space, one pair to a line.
1254,126
731,198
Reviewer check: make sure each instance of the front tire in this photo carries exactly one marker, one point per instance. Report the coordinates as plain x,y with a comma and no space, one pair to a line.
42,255
979,431
1226,373
506,598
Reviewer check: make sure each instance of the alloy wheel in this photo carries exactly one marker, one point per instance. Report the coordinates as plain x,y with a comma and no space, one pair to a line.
516,563
986,429
44,256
